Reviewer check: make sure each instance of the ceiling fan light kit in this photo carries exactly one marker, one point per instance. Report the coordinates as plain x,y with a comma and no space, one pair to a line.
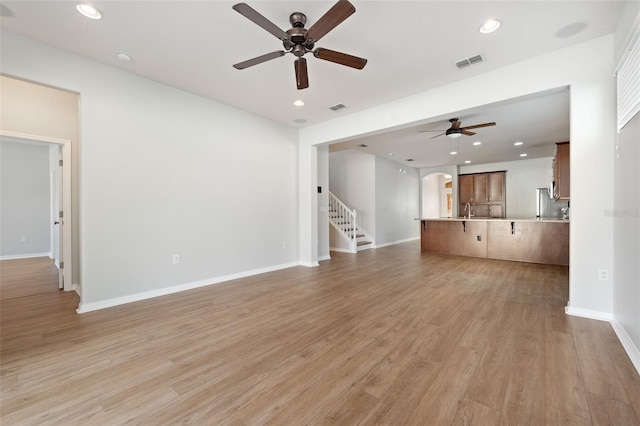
300,41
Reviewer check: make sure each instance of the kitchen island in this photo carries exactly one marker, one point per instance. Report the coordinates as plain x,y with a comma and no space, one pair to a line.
524,240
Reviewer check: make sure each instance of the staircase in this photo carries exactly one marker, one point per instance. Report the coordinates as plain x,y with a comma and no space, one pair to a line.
344,220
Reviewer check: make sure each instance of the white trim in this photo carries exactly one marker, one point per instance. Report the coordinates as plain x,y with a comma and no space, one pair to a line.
587,313
25,256
327,257
88,307
307,264
627,344
77,289
406,240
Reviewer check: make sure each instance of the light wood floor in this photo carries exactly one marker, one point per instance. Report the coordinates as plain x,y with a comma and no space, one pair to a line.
26,277
387,336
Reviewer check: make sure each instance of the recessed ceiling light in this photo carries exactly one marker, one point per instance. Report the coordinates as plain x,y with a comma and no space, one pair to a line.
523,155
88,11
453,152
300,120
490,26
299,102
123,56
518,143
476,143
571,30
390,154
467,161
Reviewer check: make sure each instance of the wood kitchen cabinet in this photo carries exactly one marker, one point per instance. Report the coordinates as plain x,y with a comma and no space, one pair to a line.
561,170
536,242
442,237
485,192
461,238
533,241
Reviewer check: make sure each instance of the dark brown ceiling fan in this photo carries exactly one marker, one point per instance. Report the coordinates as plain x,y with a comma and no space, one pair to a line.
455,131
299,41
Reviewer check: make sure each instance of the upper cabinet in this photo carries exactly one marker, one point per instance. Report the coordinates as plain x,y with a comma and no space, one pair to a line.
561,171
485,192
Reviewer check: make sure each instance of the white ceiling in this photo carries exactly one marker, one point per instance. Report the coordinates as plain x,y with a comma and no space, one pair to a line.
411,46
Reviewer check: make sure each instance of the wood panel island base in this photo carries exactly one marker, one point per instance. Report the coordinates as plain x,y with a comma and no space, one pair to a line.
522,240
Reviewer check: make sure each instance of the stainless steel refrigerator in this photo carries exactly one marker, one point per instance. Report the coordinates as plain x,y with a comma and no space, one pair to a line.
549,208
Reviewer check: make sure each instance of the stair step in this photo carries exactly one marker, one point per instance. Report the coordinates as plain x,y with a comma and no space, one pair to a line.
358,236
363,243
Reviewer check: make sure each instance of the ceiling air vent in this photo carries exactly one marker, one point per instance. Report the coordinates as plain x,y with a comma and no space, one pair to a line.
465,63
337,107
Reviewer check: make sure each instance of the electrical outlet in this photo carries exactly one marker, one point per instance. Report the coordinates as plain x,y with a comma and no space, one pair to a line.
603,274
176,259
24,239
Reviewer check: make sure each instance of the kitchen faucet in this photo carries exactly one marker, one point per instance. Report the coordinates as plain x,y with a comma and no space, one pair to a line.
467,207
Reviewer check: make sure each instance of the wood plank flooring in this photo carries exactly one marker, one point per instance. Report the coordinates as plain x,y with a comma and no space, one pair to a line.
26,277
387,336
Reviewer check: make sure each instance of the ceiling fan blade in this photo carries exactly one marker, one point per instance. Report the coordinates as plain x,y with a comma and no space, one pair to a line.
436,136
259,59
302,78
252,15
334,16
455,124
340,58
477,126
431,131
466,132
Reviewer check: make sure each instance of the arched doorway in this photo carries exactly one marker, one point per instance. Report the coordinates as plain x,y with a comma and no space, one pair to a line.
437,195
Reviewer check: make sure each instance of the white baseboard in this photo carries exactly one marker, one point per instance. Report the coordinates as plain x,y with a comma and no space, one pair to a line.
25,256
587,313
77,289
406,240
308,264
627,344
88,307
327,257
625,340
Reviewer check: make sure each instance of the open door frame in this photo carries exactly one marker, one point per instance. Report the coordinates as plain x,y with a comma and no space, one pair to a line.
66,255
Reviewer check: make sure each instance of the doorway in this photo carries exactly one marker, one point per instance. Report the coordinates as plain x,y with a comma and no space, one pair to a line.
437,195
31,235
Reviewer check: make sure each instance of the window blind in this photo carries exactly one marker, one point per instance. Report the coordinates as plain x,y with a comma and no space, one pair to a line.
628,82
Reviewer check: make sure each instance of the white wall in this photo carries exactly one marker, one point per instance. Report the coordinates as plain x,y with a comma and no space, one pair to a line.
522,179
431,190
166,172
24,200
396,199
626,213
592,130
352,179
387,200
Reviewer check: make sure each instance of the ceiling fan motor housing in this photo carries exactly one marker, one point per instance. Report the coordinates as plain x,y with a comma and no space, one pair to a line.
298,19
298,40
